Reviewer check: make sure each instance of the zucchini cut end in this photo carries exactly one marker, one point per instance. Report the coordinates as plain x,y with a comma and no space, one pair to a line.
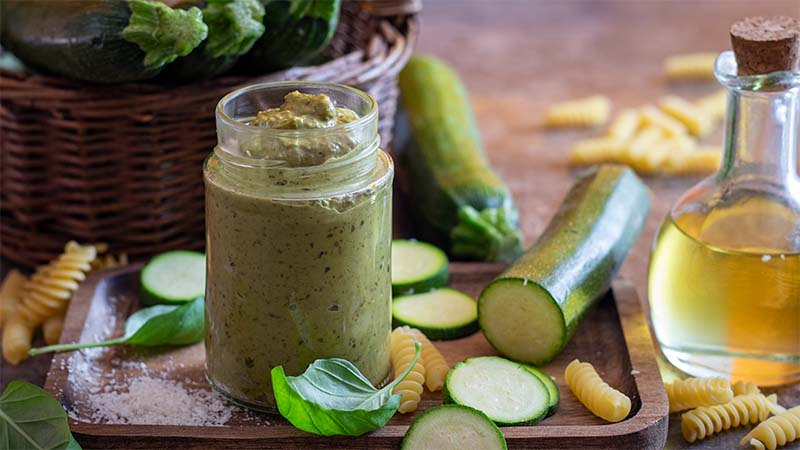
173,277
417,267
441,314
521,320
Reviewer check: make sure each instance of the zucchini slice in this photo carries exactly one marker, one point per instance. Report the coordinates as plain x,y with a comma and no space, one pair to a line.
552,388
531,310
441,314
174,277
507,392
417,267
453,427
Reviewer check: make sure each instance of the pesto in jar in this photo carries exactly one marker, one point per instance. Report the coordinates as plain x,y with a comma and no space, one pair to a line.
298,254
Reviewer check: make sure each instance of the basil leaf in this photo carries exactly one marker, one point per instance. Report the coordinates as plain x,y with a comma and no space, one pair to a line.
333,398
30,418
153,326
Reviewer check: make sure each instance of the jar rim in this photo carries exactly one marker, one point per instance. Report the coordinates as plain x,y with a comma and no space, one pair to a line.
362,120
725,69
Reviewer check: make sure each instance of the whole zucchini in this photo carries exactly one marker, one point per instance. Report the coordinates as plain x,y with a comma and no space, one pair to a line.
454,190
233,27
531,310
296,32
103,41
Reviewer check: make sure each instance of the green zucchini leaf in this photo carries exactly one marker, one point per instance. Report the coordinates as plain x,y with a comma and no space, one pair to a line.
157,325
333,398
31,419
164,33
233,26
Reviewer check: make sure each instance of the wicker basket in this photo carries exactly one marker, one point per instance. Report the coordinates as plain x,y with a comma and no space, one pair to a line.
122,164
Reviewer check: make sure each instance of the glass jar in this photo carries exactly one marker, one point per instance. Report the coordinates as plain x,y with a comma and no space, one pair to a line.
725,268
298,226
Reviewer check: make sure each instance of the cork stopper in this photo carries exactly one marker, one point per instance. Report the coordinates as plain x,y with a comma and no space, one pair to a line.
766,44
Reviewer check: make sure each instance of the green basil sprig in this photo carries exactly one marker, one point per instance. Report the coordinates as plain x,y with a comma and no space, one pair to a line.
333,398
153,326
31,418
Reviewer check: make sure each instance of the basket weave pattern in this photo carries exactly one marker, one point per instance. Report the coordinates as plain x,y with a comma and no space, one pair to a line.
122,164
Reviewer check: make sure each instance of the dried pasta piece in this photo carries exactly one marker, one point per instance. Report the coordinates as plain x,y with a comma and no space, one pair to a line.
103,262
690,66
436,367
50,288
705,421
693,118
776,431
17,336
714,106
587,111
644,140
51,328
651,116
702,160
624,126
10,292
652,160
694,392
600,398
745,388
597,150
402,352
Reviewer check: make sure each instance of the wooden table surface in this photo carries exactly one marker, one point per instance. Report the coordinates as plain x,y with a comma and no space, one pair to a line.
517,57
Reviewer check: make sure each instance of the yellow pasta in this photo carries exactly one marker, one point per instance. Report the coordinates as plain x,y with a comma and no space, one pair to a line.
103,262
653,117
694,392
10,292
693,118
597,150
704,421
436,367
652,160
402,352
714,106
624,125
775,431
50,288
51,328
644,140
690,66
702,160
745,388
587,111
17,335
600,398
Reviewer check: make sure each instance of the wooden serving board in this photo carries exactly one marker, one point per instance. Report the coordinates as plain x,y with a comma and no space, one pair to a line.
614,337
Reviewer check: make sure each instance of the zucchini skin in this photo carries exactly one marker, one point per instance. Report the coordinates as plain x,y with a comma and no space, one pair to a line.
79,40
454,190
582,248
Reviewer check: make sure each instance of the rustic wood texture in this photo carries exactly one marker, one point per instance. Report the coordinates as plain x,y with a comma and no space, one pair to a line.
614,338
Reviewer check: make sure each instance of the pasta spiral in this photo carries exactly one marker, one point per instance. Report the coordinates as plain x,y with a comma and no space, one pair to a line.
775,431
694,392
600,398
436,367
690,66
402,351
593,110
17,335
744,388
50,288
704,421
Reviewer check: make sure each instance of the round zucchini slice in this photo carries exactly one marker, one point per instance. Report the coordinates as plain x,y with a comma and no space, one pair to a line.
417,267
453,427
441,314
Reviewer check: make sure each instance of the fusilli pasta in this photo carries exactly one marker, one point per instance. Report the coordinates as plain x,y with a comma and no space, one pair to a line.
402,351
694,392
624,125
598,150
704,421
714,106
693,118
587,111
745,388
51,328
656,118
103,262
641,144
436,367
702,160
17,335
10,292
775,431
690,66
600,398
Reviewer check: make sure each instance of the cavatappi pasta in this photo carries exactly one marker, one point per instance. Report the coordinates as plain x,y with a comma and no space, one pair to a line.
694,392
402,352
690,66
776,431
705,421
600,398
588,111
436,367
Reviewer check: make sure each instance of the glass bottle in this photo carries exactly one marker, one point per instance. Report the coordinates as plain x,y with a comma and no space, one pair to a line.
298,225
724,283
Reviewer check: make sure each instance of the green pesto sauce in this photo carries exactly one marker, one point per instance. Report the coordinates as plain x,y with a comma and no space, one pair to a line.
303,111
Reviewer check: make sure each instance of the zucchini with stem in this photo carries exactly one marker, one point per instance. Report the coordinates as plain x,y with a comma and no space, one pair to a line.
233,28
455,191
102,41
